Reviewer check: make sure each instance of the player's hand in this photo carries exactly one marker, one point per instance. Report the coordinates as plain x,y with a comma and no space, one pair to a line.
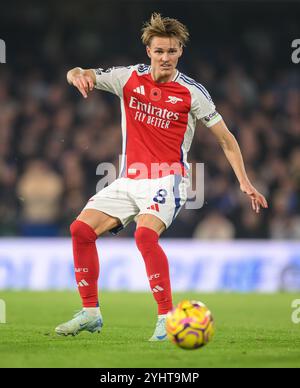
83,83
257,199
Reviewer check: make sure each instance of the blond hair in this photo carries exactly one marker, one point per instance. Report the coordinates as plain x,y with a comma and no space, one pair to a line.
164,27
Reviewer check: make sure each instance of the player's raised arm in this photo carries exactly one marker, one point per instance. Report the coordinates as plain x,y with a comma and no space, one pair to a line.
83,80
233,153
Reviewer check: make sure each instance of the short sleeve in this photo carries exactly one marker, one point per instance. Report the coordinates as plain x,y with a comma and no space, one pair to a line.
113,79
203,106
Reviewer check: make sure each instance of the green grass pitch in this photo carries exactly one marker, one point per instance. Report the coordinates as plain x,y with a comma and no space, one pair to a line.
252,330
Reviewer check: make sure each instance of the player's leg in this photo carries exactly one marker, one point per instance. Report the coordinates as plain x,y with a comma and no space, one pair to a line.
152,222
89,225
159,201
149,229
109,209
85,230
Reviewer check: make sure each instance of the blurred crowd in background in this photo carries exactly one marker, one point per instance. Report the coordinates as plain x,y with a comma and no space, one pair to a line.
52,140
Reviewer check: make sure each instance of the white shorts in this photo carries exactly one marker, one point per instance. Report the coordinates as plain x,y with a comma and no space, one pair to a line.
127,198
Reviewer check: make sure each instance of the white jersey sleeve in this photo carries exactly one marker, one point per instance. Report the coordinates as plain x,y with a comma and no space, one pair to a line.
113,79
203,107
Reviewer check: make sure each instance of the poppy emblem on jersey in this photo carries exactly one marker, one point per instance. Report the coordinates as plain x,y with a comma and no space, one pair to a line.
155,94
174,100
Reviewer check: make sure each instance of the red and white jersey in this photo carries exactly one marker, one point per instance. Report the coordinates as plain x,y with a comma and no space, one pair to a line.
158,119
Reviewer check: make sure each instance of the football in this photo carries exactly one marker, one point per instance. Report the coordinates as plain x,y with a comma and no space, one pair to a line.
190,325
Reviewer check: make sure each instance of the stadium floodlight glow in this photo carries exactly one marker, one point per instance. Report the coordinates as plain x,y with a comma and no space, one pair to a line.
2,311
2,51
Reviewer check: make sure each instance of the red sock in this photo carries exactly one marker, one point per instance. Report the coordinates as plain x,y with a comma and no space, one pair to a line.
86,262
157,267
